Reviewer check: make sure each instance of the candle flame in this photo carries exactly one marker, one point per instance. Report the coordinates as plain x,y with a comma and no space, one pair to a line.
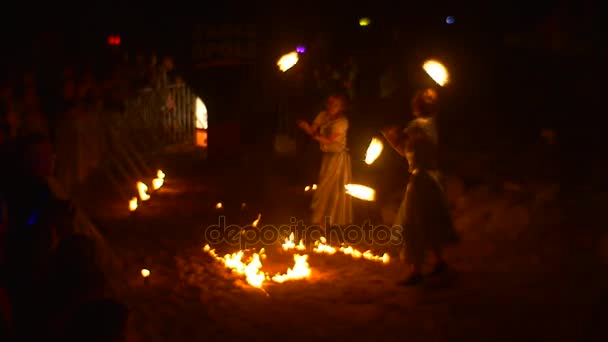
133,204
145,272
373,151
219,205
142,189
160,174
157,183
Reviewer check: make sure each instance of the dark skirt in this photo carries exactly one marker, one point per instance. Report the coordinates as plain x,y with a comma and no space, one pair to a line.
424,217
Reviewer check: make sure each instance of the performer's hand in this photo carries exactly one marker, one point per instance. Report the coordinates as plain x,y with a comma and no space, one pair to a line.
390,132
305,126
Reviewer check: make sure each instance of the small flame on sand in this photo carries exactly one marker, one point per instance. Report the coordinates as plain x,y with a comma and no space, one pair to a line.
310,187
373,151
157,183
436,71
252,270
255,223
142,189
323,247
368,255
300,270
361,192
291,244
133,204
218,205
145,272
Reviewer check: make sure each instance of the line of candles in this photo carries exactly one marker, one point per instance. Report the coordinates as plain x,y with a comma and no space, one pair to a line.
142,189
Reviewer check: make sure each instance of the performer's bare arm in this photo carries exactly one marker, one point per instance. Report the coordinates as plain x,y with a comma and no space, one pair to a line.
307,128
396,138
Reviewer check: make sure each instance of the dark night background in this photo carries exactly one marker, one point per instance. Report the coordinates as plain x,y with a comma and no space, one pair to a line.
518,69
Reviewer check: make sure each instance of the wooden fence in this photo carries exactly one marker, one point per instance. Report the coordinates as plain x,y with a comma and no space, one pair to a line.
120,143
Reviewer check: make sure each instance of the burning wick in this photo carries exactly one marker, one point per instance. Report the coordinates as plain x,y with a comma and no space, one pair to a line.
143,188
218,205
133,204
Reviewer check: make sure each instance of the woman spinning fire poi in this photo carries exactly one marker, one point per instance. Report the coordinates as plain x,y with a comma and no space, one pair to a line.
329,128
424,213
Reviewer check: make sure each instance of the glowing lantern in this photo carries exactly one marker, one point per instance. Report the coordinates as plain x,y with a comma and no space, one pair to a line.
287,61
361,192
436,71
373,151
201,123
201,114
114,40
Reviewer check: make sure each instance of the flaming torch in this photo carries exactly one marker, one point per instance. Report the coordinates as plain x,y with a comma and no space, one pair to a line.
373,151
436,71
361,192
287,61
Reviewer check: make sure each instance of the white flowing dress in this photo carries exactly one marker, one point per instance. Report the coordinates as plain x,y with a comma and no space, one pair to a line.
330,203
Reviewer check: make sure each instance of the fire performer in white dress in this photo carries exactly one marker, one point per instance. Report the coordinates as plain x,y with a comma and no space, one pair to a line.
330,128
424,213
